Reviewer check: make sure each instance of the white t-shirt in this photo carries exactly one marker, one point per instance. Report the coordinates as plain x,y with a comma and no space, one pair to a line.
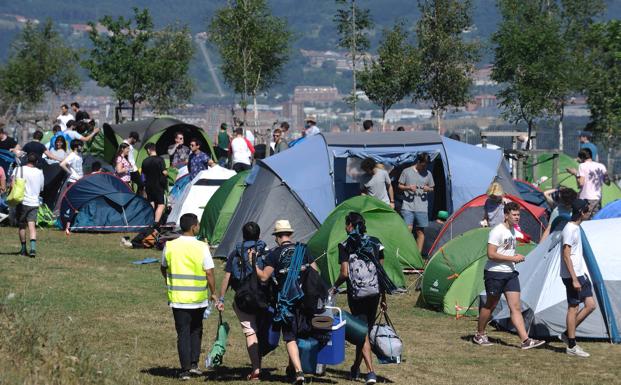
571,236
504,238
63,120
312,130
74,164
131,156
594,174
241,152
207,264
34,184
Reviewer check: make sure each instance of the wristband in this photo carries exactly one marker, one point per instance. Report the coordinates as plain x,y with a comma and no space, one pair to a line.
221,299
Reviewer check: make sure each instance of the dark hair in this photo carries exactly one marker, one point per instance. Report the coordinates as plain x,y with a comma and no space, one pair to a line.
76,104
134,135
400,128
75,143
81,127
251,231
422,157
179,133
356,220
567,196
187,220
455,136
64,106
62,140
56,128
96,166
224,126
119,151
368,164
584,154
38,135
32,158
70,123
511,206
367,125
239,131
149,147
277,131
284,126
195,140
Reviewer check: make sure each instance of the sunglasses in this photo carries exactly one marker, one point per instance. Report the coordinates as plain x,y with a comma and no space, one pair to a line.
193,145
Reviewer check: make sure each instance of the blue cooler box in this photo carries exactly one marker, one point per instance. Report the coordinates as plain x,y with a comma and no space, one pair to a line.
308,347
333,353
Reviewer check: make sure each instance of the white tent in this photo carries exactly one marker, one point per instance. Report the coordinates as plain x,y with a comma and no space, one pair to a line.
544,300
197,193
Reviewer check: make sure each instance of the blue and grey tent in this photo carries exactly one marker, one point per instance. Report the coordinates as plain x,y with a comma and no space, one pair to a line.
611,210
544,301
103,203
305,183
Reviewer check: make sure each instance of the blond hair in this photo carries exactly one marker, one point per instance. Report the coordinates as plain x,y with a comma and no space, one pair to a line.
495,189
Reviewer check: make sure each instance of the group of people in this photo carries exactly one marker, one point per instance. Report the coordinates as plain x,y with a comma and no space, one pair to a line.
187,268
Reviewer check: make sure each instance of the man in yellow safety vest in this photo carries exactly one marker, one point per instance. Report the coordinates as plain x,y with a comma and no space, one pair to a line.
187,267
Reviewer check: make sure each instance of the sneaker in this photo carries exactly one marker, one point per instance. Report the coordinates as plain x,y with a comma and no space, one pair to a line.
184,376
32,254
563,337
354,373
531,343
23,253
196,371
3,216
299,378
577,351
481,339
371,378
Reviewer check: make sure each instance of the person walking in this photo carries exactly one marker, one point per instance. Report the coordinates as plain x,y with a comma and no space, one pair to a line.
187,268
416,182
238,266
241,151
364,292
198,160
573,274
590,177
122,165
376,182
277,263
26,211
501,277
156,181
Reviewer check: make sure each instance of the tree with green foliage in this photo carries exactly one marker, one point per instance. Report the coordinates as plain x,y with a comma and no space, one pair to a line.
603,88
141,64
253,44
40,62
353,24
447,59
393,75
530,60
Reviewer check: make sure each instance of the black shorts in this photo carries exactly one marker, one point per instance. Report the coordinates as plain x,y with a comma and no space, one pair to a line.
155,195
364,309
575,297
497,282
25,214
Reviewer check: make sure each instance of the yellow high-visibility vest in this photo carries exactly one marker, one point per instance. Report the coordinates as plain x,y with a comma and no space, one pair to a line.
185,277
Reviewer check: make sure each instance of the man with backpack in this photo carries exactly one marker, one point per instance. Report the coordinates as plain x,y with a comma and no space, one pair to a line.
238,269
26,211
285,262
359,256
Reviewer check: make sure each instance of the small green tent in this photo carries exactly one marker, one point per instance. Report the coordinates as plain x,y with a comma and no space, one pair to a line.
544,168
220,208
453,278
382,222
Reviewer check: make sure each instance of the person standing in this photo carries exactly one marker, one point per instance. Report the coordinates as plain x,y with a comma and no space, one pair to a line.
72,164
79,114
122,166
6,142
494,206
64,117
156,182
277,263
238,266
178,152
223,141
39,148
284,127
187,268
198,160
241,151
573,274
376,182
364,291
501,277
134,174
367,126
585,142
310,126
60,149
26,211
590,177
416,182
70,133
280,144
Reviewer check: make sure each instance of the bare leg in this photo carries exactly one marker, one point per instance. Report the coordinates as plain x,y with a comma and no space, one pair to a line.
294,355
366,355
420,238
22,235
485,313
513,300
32,229
589,307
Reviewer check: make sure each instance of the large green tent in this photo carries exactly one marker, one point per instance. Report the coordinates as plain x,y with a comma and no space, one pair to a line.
382,222
453,278
220,208
544,168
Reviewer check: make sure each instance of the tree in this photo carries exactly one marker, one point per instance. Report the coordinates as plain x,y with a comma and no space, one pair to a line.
352,24
447,60
393,75
530,60
39,63
254,46
604,84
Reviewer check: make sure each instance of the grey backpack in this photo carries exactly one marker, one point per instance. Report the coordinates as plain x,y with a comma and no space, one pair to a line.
362,276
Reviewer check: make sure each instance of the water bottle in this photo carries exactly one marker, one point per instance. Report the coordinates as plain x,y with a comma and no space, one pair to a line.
207,312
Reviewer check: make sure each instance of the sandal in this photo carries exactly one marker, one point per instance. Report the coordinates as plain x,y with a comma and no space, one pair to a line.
254,376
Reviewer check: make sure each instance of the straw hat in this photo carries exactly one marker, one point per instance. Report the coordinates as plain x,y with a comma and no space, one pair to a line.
311,118
495,189
282,226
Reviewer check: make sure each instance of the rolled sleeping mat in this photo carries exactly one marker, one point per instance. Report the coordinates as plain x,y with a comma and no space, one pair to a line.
323,321
355,329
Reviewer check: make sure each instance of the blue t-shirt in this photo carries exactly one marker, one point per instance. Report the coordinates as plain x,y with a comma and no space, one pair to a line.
197,163
591,147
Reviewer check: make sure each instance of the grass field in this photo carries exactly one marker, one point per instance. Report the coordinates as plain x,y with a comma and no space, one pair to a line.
81,313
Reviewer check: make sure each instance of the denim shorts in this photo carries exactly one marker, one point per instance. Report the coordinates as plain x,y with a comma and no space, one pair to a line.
418,219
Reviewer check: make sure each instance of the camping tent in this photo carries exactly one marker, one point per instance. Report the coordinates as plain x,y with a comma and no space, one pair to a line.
103,202
198,192
544,166
220,208
612,210
531,194
544,301
54,178
382,222
532,220
160,131
453,277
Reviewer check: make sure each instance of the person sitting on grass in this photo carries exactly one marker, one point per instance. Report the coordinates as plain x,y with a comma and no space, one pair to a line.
501,277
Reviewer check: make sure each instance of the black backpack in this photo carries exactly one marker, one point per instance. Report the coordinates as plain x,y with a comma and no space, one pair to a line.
251,295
